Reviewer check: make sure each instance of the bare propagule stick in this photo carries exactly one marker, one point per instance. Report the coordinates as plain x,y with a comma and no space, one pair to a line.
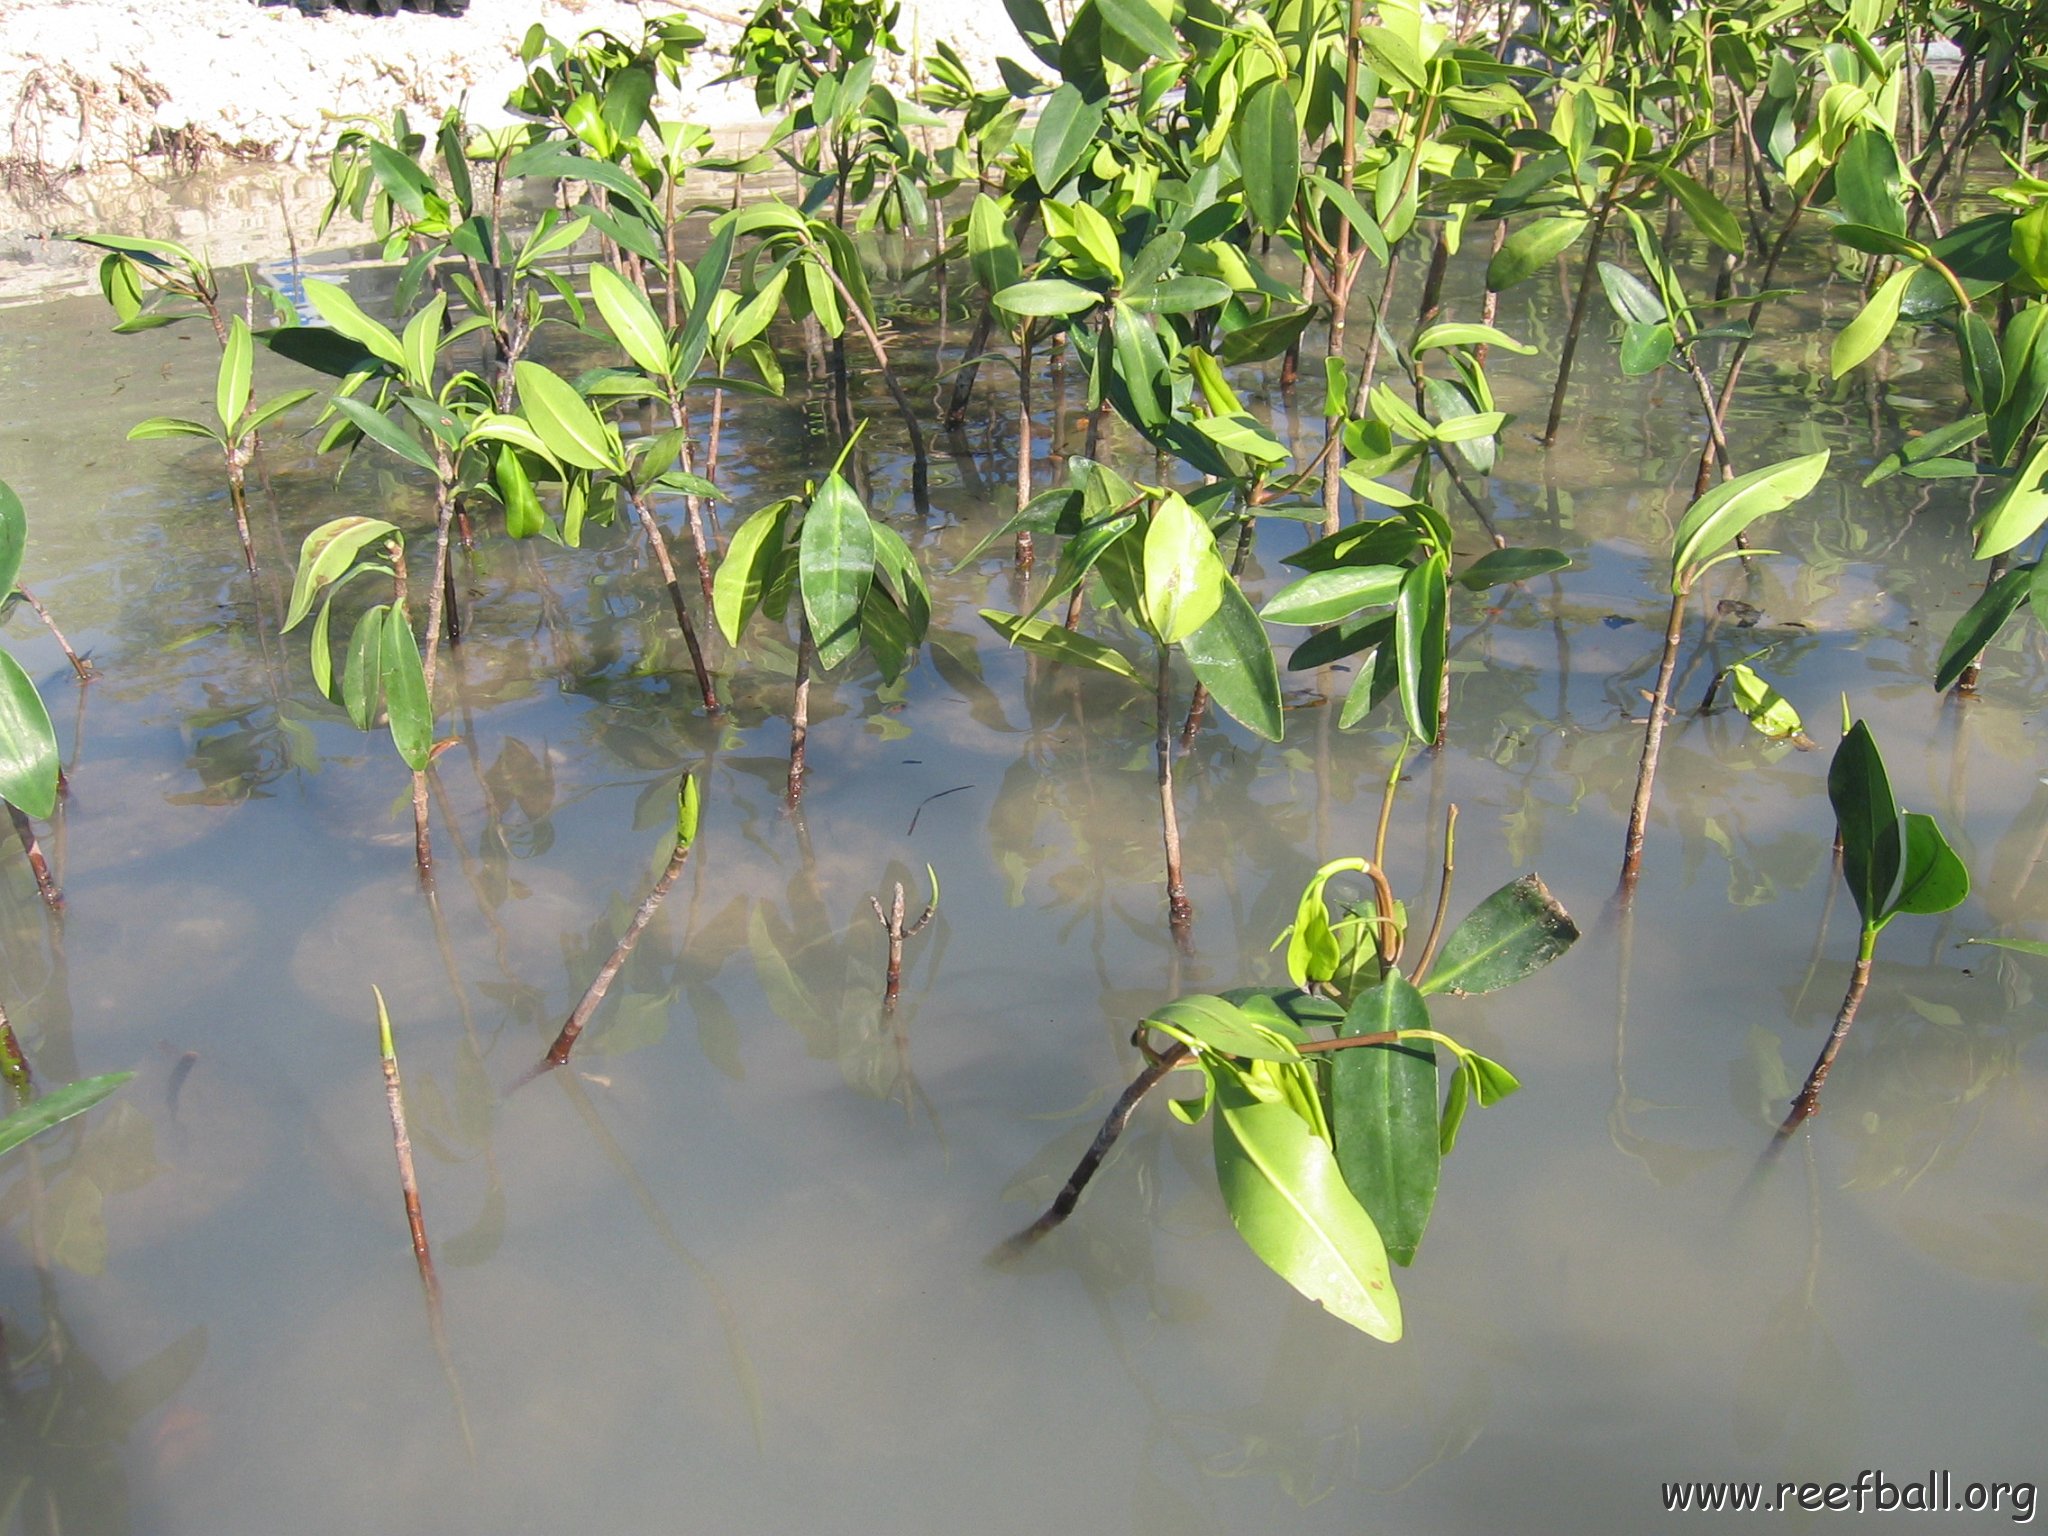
892,924
686,834
408,1183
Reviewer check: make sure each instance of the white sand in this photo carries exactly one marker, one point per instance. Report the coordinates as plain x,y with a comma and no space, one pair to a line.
93,83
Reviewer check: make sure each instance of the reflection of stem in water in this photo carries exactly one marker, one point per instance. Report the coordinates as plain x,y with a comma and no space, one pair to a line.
1820,939
742,1364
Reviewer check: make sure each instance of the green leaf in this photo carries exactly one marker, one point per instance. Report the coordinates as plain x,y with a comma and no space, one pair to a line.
1383,1115
275,407
1053,296
629,318
1927,447
326,553
1502,567
1233,659
1182,295
1869,181
405,694
1462,333
56,1107
1983,367
1269,153
1761,704
333,304
1218,1025
1712,522
1515,932
1880,242
1632,298
2019,946
1183,576
1140,25
1044,638
523,515
835,567
1646,348
362,669
1313,953
1321,596
2024,349
748,569
1065,130
1419,641
1933,879
421,344
1531,248
1709,215
1979,626
2020,510
170,426
381,429
564,420
1243,434
28,744
1873,324
13,537
1288,1199
1861,793
991,247
237,373
687,813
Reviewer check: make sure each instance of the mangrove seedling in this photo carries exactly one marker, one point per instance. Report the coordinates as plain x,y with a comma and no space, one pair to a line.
894,925
30,769
857,584
383,669
239,422
1893,862
1327,1127
1705,537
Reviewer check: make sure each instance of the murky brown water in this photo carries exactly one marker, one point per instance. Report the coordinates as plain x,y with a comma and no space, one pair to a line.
729,1276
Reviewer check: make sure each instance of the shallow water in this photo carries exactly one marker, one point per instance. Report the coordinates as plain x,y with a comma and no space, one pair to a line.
730,1274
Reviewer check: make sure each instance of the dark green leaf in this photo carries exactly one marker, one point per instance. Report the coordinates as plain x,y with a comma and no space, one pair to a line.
1868,816
1517,930
1233,659
1531,248
381,429
1065,131
13,537
835,567
1419,643
1981,624
1269,153
1500,567
1932,878
405,694
1061,644
1321,596
1383,1115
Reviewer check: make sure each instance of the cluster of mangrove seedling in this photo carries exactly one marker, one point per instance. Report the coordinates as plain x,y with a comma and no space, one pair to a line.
1179,200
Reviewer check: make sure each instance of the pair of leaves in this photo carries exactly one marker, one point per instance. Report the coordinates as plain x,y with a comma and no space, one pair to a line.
1892,862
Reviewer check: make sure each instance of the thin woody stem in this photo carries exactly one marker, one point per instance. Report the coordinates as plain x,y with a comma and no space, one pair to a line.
78,663
1808,1103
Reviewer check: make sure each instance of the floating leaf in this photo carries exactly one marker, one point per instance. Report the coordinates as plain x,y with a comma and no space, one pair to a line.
1764,707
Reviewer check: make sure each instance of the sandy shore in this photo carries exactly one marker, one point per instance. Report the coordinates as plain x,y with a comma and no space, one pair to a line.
91,83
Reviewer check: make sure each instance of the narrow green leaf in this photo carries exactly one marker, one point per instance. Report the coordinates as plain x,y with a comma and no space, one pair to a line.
237,372
13,537
1218,1025
2020,510
405,694
1288,1200
1269,153
1712,522
1709,215
1061,644
56,1107
1861,793
1873,324
1501,567
170,426
1048,296
333,304
1516,931
1462,333
28,744
1383,1115
1138,23
381,429
1322,596
1419,643
1063,134
421,344
991,247
835,566
326,553
362,669
1980,625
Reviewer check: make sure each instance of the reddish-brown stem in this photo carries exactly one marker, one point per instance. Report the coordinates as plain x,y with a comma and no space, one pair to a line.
565,1042
1808,1102
659,543
45,884
1580,303
78,663
800,711
1179,913
1653,741
13,1063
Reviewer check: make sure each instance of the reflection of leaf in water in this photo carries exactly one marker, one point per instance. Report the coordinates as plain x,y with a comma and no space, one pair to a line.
1760,1083
1795,1386
76,1225
480,1242
155,1382
1999,1246
526,780
1159,1511
718,1032
633,1022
